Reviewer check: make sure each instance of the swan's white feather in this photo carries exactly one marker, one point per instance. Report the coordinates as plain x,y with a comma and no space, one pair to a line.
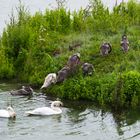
54,109
4,113
7,113
44,111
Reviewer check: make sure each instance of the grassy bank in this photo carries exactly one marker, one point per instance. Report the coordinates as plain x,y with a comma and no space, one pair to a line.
33,46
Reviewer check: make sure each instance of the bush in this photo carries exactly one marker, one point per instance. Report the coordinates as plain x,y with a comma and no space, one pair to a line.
130,88
6,68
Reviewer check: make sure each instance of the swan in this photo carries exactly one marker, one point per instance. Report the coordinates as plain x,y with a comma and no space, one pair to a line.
24,91
49,79
53,110
8,113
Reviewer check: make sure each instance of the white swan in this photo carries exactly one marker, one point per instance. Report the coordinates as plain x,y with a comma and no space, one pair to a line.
54,109
49,79
8,113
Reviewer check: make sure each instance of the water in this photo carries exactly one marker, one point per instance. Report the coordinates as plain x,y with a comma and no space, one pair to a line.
78,121
6,7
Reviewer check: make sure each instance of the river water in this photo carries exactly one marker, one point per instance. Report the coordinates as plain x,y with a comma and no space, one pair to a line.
79,120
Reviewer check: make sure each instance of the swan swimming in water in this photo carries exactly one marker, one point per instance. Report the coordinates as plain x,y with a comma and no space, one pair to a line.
53,110
24,91
8,113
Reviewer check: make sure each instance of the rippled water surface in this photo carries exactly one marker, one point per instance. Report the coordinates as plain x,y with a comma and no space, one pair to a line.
78,121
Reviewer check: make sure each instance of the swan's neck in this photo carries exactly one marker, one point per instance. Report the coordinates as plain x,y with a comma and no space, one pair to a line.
53,105
12,114
56,106
57,109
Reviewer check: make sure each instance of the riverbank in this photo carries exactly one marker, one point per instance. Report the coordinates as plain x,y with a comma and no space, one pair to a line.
34,46
79,120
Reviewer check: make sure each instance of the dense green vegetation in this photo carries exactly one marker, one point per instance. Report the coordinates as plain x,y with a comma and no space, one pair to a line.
33,46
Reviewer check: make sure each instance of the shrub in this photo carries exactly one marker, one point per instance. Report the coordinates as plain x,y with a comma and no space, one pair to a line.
130,89
6,68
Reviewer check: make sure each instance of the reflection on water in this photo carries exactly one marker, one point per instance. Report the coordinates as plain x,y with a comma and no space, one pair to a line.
79,120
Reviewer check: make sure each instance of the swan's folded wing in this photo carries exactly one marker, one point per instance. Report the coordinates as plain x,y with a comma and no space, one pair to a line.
41,111
4,113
